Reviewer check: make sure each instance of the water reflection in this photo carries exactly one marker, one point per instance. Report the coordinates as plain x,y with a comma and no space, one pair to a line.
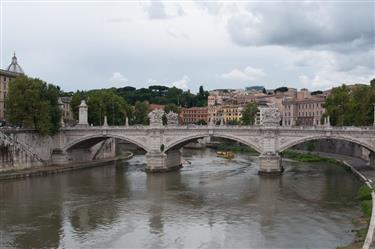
211,203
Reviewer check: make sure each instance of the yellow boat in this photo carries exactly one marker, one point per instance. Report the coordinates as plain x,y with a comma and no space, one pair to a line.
225,154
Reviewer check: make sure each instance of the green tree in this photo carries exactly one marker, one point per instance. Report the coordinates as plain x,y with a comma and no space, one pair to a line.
141,110
75,101
103,103
32,103
249,113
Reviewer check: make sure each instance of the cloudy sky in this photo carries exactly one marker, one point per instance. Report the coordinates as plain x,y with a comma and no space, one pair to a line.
88,45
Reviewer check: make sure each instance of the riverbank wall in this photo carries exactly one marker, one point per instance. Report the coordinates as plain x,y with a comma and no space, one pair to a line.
56,169
371,228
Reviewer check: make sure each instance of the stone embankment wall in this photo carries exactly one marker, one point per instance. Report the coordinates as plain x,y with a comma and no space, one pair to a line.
337,147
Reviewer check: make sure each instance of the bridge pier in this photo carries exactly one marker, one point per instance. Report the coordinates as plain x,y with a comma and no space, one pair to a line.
270,164
163,162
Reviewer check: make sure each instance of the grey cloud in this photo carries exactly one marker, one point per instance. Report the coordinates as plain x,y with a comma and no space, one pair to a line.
156,10
340,26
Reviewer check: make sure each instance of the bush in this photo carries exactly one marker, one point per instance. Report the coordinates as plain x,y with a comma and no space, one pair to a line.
366,207
364,193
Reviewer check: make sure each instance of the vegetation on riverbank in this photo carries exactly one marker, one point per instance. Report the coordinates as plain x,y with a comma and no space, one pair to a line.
364,197
307,157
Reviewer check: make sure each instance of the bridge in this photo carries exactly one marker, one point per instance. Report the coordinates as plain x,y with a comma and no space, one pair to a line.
162,143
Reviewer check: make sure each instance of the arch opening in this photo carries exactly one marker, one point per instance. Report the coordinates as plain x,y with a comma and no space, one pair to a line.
332,145
101,147
220,138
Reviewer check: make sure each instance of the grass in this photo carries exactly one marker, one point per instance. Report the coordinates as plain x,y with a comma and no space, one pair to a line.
307,157
364,196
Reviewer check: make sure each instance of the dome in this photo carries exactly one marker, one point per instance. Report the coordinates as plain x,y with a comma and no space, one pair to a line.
14,67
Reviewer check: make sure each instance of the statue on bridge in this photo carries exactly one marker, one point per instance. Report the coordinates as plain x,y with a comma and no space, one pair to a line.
156,118
270,116
172,119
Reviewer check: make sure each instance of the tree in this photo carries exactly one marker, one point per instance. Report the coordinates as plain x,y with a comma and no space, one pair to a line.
75,101
107,103
249,113
351,106
141,110
32,103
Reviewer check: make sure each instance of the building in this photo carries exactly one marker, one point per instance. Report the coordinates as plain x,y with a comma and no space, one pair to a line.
13,71
194,115
232,113
215,114
67,113
307,111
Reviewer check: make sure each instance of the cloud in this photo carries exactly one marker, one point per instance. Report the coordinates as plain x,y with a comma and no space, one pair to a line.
331,68
156,10
182,83
307,25
176,33
117,79
247,74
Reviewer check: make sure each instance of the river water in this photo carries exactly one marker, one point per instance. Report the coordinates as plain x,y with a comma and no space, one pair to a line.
211,203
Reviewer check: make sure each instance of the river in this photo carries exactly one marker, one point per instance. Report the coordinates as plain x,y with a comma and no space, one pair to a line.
211,203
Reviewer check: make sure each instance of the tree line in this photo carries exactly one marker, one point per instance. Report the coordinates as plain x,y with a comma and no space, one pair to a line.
32,103
351,106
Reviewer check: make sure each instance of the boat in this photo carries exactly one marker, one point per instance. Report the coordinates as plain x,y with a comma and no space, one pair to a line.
225,154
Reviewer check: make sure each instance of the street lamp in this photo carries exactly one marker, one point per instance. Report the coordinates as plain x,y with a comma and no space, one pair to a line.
374,116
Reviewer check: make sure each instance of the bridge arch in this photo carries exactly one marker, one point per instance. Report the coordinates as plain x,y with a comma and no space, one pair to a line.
91,140
181,141
301,140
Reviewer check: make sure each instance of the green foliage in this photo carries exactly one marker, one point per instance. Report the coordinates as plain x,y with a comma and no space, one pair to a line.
307,157
366,207
364,193
351,106
141,110
75,102
171,108
32,103
107,103
281,89
163,95
249,113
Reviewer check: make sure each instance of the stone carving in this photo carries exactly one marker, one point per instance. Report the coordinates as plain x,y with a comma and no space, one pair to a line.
270,116
156,117
172,118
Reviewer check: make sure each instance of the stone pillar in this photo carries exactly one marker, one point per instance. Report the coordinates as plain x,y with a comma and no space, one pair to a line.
83,118
270,164
158,162
127,122
105,124
372,159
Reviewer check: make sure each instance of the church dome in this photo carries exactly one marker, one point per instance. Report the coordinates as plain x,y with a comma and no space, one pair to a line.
14,67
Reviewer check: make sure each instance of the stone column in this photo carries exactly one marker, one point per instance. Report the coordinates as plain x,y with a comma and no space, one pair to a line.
270,164
83,117
270,160
158,162
105,124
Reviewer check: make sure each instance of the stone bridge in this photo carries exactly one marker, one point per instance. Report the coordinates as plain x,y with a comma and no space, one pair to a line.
162,143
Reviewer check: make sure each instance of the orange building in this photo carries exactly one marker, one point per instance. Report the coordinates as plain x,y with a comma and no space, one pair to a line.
194,115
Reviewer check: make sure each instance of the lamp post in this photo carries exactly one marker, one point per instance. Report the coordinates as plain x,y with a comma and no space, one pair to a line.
374,116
